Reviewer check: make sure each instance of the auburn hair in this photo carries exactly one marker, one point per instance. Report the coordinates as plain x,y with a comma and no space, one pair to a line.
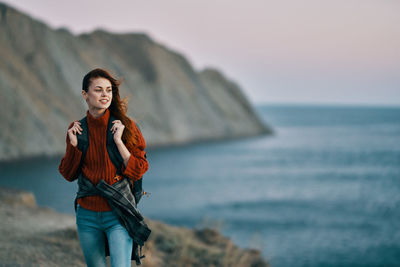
118,107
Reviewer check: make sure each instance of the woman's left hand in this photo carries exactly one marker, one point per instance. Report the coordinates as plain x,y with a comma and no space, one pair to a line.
117,129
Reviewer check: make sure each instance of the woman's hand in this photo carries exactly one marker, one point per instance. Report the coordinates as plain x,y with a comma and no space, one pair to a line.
76,128
117,129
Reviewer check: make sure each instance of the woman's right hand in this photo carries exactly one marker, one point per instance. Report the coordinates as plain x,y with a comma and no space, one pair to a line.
76,128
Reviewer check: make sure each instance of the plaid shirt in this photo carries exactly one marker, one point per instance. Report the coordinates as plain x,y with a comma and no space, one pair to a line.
120,198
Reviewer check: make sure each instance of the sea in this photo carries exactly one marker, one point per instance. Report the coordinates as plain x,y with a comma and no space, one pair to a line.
322,190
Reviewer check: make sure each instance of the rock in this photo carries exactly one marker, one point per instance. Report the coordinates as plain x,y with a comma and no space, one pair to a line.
41,76
11,196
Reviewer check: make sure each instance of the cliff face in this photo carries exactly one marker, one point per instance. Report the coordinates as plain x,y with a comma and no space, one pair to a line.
41,71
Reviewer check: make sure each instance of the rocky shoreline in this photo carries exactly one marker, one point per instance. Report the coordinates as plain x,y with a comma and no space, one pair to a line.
39,236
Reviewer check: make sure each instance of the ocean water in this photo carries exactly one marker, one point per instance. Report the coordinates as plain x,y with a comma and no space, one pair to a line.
324,190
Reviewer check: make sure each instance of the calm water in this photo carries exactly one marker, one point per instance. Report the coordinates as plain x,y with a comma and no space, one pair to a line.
323,191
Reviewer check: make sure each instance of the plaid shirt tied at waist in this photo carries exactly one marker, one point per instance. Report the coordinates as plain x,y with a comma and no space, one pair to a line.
120,198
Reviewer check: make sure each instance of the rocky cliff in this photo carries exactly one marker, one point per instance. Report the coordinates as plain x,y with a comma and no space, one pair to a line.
41,71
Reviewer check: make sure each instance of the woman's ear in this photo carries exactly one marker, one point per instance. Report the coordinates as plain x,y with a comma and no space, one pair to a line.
84,94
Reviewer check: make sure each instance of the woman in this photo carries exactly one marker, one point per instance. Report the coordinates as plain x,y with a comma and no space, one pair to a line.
94,217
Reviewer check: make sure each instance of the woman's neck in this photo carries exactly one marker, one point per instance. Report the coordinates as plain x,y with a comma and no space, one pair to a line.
96,112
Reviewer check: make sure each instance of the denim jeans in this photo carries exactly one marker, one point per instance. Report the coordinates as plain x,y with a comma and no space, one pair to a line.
92,226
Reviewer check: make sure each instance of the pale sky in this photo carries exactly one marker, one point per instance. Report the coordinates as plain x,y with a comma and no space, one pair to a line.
298,51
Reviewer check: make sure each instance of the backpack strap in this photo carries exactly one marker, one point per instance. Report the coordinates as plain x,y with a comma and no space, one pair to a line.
112,149
117,160
83,141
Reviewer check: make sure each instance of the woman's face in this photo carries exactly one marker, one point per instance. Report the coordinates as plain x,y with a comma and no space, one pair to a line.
99,94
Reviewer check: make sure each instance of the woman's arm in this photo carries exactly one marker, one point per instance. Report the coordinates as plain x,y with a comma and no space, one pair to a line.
135,160
125,154
71,160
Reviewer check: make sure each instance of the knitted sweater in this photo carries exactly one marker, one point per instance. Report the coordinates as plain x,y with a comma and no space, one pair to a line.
97,165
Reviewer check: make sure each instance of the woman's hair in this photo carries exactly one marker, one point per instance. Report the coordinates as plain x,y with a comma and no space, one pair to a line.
118,107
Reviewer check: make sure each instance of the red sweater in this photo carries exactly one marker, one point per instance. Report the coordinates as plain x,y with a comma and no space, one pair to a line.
97,165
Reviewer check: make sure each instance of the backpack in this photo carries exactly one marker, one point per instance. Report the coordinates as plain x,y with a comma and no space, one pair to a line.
113,153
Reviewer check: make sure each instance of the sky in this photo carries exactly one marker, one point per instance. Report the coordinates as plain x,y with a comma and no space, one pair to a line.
344,52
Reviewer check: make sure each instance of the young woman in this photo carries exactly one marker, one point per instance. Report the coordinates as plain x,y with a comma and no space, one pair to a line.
95,219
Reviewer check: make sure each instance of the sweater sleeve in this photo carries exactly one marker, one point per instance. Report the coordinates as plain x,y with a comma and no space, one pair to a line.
71,160
137,163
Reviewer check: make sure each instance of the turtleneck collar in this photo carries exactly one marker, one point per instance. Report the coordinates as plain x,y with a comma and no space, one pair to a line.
99,122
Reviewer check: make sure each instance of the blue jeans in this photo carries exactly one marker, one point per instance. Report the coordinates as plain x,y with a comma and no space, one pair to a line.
92,226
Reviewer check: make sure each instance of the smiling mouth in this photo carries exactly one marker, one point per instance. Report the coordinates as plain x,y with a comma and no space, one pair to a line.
104,101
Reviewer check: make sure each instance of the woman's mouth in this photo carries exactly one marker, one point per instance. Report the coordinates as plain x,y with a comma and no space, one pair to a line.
104,101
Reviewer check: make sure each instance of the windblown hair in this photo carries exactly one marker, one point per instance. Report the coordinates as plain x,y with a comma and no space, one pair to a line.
118,107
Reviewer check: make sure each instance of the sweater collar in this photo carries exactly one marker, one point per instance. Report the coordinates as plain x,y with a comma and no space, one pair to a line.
99,122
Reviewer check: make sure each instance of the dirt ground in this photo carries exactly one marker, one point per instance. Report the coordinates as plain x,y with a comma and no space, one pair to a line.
40,236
